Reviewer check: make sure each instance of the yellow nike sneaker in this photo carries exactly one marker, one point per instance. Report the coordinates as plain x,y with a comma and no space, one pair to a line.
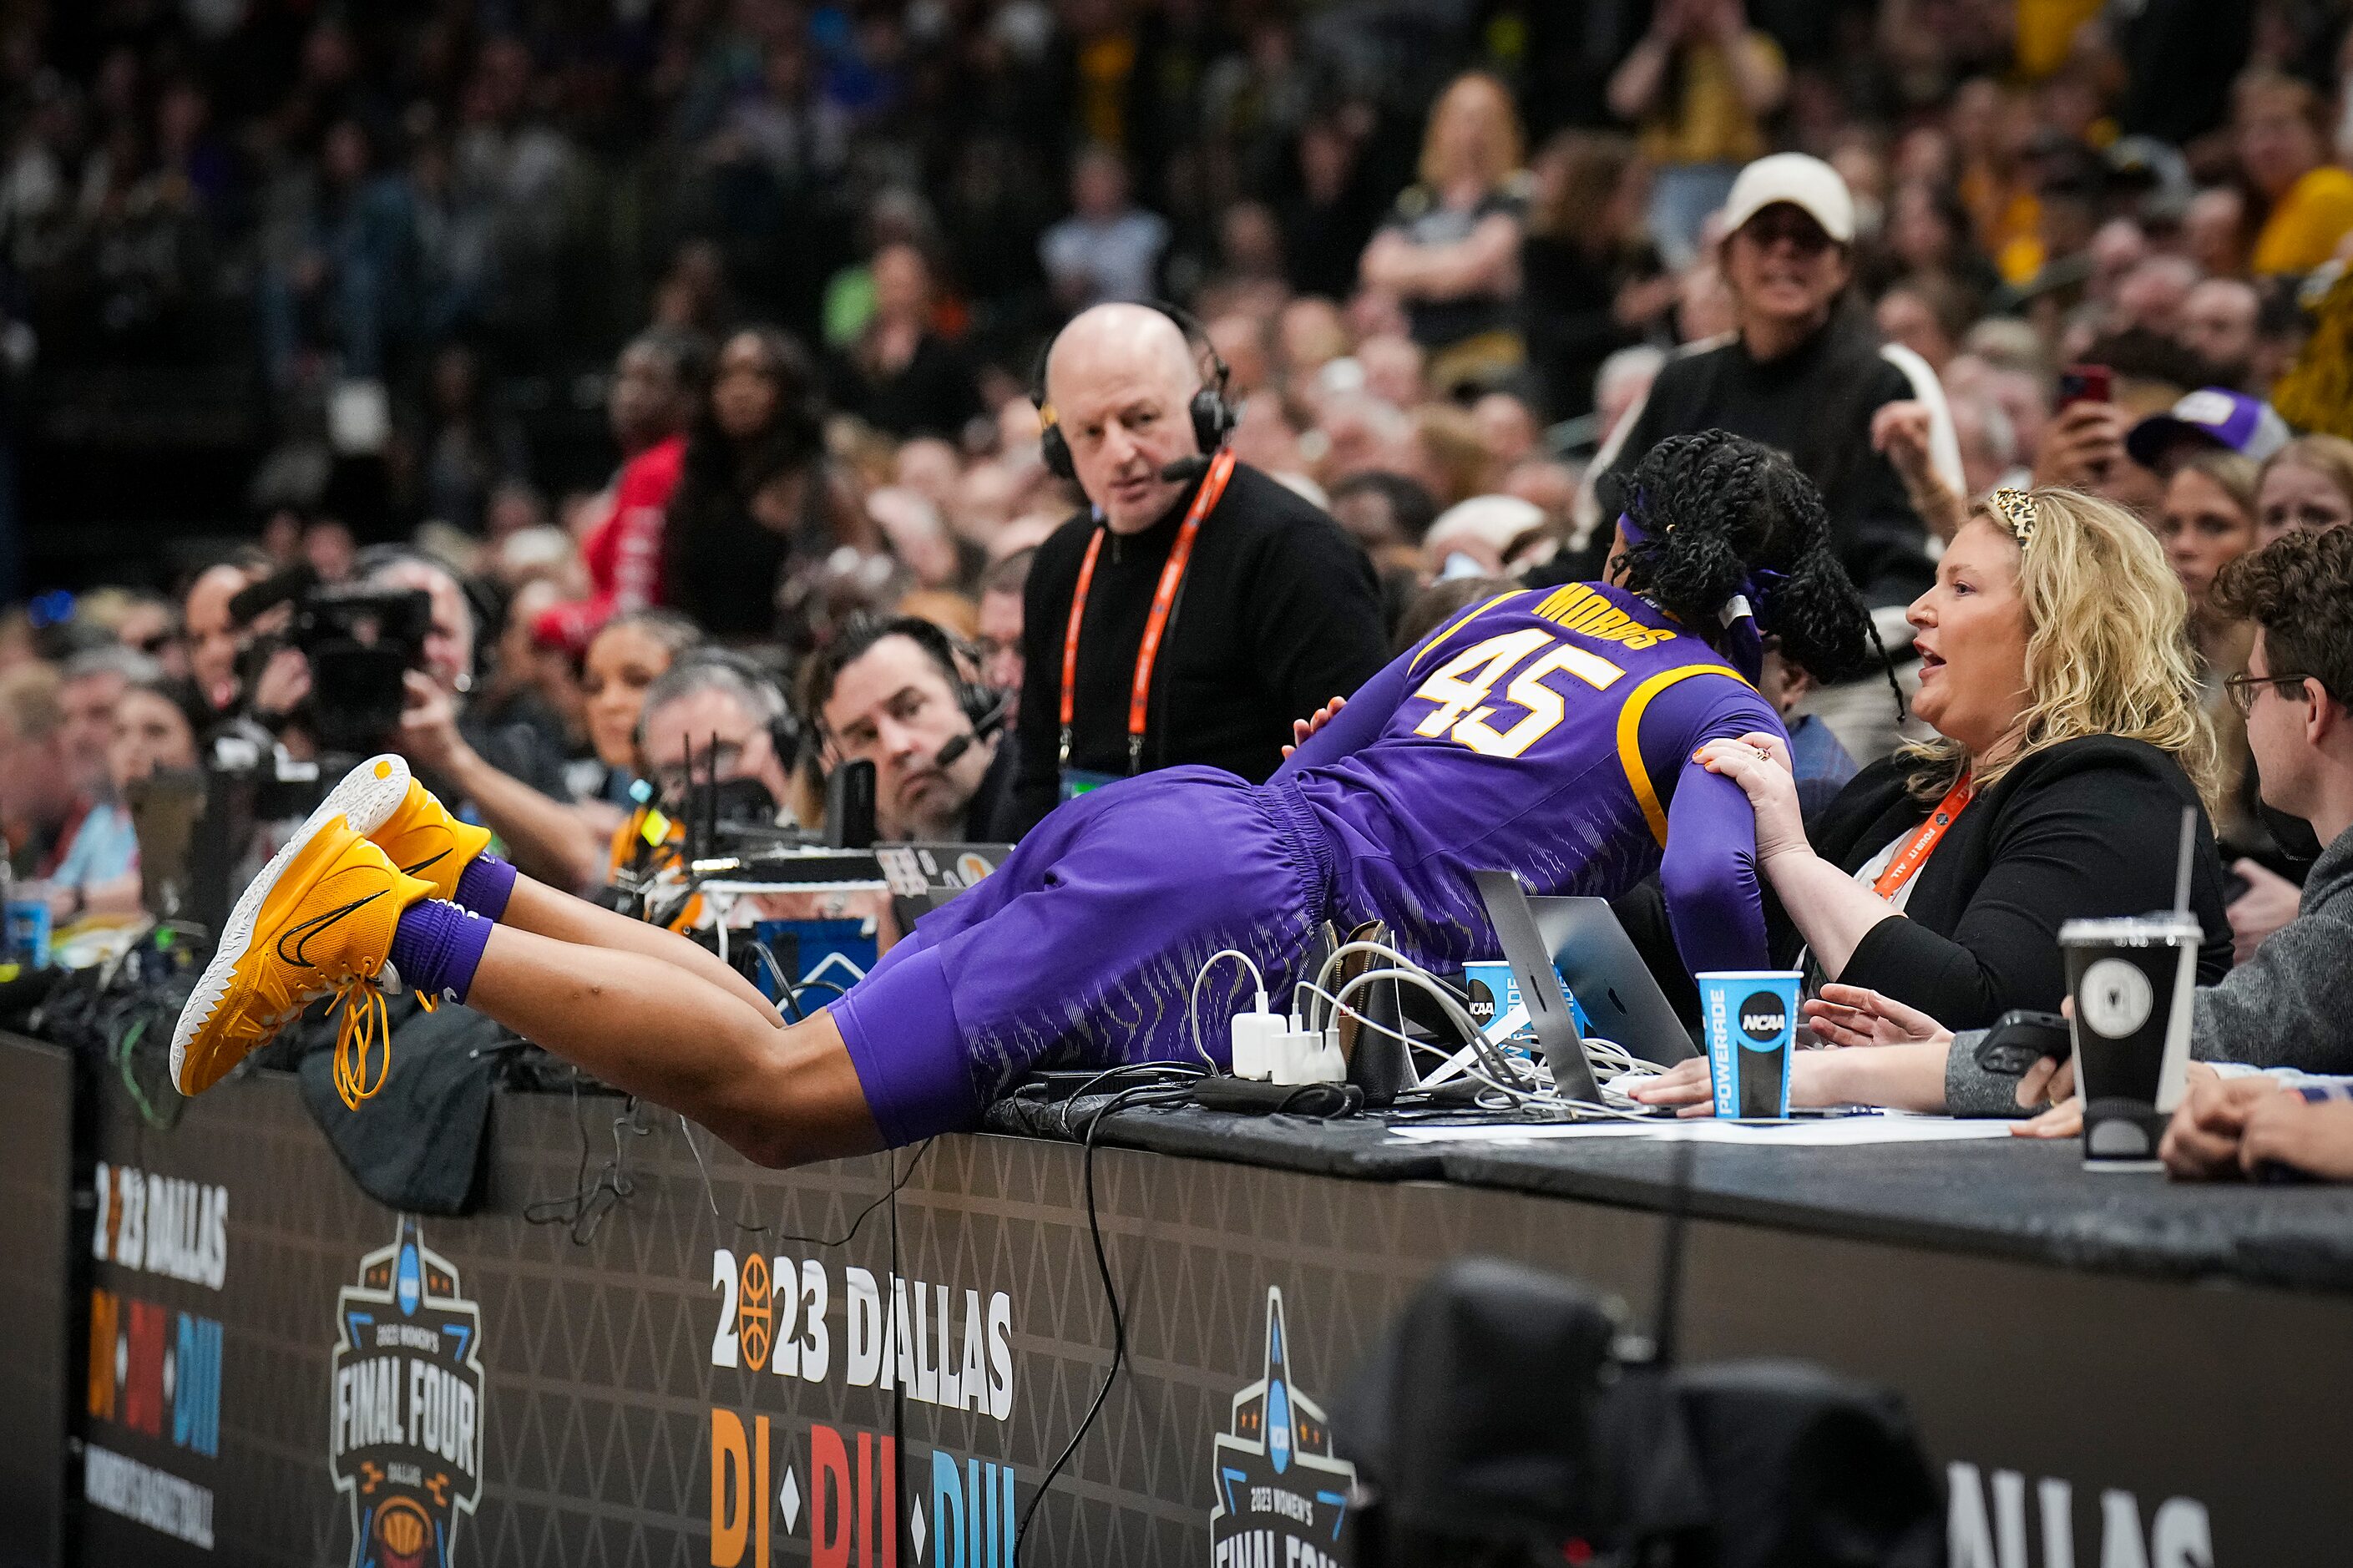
425,841
317,921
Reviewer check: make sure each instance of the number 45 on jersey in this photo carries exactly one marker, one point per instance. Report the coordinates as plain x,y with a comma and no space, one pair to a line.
1519,662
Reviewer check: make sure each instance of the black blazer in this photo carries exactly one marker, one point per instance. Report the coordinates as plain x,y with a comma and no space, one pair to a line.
2086,828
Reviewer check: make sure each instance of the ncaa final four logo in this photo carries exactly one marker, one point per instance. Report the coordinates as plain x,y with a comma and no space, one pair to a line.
404,1432
1281,1494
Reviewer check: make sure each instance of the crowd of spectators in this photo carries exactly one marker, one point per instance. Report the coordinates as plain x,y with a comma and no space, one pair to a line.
1457,270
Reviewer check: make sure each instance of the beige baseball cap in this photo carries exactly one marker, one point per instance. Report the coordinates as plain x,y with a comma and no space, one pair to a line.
1803,182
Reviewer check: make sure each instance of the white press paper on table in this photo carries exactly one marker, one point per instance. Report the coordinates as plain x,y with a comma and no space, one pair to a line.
1809,1132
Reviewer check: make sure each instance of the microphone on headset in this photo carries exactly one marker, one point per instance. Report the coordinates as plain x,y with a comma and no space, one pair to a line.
989,724
1184,469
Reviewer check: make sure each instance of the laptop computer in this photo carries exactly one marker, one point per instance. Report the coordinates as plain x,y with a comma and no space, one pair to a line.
1530,956
923,877
1606,975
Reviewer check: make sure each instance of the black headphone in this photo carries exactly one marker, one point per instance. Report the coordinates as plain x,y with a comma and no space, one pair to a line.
1213,415
782,724
980,703
984,707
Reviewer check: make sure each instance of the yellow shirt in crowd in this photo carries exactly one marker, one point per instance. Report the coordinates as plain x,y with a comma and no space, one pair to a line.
2306,225
2046,31
1708,122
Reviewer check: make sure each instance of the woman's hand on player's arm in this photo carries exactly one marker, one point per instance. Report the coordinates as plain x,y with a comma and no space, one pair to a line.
1759,764
1830,909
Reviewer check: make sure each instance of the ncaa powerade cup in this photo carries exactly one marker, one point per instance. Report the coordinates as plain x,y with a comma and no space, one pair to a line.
1749,1018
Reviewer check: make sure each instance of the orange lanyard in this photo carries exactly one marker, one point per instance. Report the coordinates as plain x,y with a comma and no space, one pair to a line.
1923,842
1164,601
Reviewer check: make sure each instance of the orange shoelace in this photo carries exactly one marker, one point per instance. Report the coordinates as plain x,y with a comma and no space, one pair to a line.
365,1026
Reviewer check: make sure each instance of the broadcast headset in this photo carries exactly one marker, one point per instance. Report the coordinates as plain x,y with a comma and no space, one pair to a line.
1213,415
984,708
770,710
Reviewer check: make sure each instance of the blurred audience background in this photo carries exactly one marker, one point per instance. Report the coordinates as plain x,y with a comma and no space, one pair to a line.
731,309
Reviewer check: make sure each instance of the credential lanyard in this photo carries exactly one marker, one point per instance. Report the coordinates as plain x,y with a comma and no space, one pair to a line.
1164,599
1923,842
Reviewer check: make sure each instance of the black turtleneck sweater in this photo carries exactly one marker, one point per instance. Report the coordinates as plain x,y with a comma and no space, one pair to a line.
1815,403
1278,613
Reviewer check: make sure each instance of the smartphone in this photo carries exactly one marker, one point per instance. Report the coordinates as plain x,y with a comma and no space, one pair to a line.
2020,1038
2086,383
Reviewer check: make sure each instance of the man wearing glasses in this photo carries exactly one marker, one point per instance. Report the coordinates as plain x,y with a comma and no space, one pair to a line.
2291,1004
711,720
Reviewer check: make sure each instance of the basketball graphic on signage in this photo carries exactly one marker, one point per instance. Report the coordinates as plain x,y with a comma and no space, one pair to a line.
753,1312
403,1534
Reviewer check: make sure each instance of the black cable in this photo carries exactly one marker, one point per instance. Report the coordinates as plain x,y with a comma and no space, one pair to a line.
549,1211
1168,1073
1311,1092
1111,1295
590,1202
787,996
899,1180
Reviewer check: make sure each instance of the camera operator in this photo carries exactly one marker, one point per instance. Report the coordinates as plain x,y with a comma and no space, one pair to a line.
216,641
504,777
902,695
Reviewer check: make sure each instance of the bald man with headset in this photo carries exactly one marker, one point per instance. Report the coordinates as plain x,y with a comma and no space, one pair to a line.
1196,606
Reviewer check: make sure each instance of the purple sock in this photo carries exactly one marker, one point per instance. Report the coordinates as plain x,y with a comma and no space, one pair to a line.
437,946
485,885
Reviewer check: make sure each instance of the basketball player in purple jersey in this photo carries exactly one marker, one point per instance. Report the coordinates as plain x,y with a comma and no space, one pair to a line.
1548,733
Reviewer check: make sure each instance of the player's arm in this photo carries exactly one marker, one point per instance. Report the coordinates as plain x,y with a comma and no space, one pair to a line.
1708,872
1714,906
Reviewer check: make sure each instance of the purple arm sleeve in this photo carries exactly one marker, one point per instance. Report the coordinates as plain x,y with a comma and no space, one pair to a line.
1357,725
1709,872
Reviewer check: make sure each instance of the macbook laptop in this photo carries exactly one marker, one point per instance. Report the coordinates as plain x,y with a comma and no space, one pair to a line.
1525,950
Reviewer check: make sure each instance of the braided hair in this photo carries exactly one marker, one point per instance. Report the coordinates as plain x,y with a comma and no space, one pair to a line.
1711,510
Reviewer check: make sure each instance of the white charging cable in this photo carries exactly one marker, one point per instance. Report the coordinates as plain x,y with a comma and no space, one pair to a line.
1193,1004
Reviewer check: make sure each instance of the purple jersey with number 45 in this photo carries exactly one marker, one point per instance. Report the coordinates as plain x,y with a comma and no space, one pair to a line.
1549,733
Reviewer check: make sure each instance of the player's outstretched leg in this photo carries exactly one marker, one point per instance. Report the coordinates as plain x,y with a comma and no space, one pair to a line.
780,1096
426,841
542,910
331,910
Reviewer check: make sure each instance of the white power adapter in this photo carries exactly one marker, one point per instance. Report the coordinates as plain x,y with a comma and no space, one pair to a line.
1255,1036
1309,1056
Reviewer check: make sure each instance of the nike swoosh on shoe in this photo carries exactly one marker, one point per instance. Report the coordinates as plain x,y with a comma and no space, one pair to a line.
303,933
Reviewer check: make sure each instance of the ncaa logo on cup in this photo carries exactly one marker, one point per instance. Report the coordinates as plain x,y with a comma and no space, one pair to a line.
1762,1018
2114,997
